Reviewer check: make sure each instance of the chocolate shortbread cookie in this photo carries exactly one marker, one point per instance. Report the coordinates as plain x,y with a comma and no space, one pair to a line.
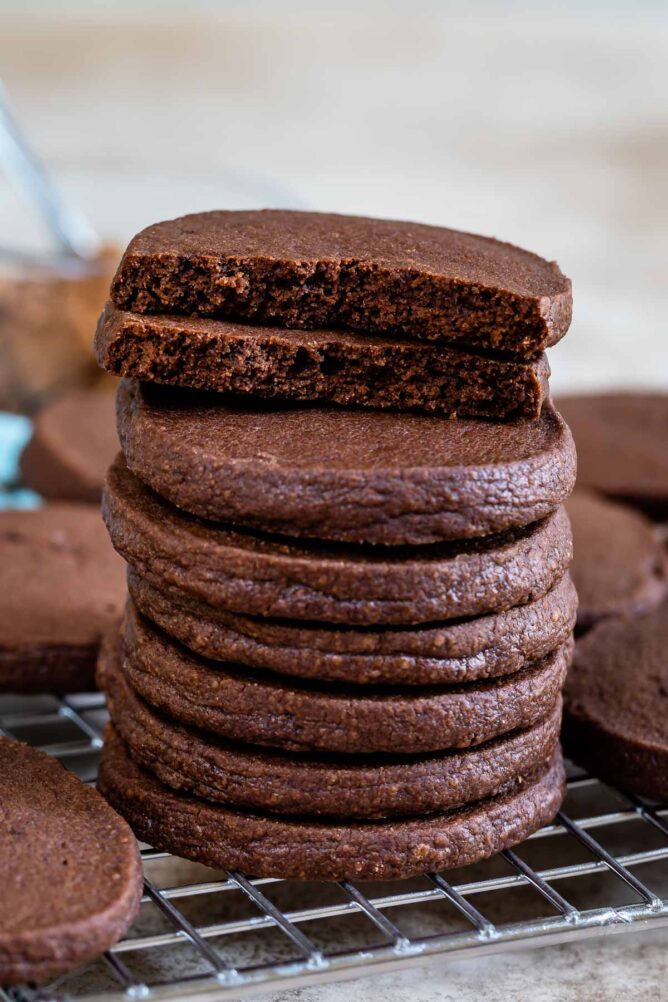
74,441
61,588
314,270
621,442
71,875
382,786
619,566
271,576
459,651
270,846
616,723
339,367
357,476
266,709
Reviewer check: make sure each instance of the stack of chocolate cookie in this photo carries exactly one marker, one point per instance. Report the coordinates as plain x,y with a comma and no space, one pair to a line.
348,626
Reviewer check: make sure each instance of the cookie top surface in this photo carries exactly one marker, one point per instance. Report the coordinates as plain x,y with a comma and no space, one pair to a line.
318,236
619,680
61,584
317,269
621,444
355,475
73,443
619,565
259,574
74,882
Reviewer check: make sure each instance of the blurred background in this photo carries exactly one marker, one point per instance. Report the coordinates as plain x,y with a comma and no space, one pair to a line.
545,125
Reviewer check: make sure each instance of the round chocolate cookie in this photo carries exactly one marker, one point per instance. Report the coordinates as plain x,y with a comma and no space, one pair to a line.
619,565
616,695
71,871
621,443
312,269
271,576
357,476
304,849
61,588
74,441
458,651
266,709
386,786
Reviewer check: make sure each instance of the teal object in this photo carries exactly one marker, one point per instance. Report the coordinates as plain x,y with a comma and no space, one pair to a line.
15,430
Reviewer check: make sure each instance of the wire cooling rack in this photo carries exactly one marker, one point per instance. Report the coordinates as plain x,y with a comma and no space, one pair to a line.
208,935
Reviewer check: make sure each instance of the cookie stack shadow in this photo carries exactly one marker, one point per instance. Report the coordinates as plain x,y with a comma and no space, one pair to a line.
348,627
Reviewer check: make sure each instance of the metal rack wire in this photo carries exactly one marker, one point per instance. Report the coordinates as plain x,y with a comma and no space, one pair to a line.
209,935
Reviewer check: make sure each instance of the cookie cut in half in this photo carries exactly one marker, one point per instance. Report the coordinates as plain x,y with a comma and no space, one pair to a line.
317,270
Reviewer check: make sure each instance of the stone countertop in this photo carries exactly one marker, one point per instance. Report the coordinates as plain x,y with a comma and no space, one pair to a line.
599,970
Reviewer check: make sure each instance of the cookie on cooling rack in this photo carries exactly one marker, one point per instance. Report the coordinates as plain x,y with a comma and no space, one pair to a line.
61,588
71,875
268,845
335,786
616,702
619,565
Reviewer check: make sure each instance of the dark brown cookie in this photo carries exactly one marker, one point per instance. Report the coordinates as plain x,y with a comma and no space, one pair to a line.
616,706
271,576
70,871
619,565
266,709
621,442
73,442
61,588
271,846
356,476
336,786
455,652
313,270
336,367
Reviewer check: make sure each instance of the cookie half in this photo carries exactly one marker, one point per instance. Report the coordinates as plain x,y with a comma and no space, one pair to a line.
616,723
459,651
71,871
333,366
316,270
269,710
74,440
61,588
619,566
356,476
273,576
336,786
269,846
